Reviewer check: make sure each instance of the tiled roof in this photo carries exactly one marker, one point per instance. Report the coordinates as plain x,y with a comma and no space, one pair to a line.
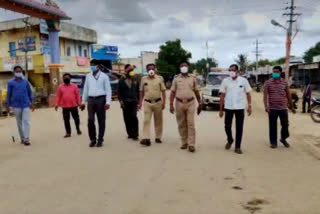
37,5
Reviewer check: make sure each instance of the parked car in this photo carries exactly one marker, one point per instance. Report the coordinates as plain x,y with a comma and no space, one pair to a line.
210,93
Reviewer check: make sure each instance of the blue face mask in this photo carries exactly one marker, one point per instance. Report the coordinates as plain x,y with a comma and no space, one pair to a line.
18,75
275,75
94,68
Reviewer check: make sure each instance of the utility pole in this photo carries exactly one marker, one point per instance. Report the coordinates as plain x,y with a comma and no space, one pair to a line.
208,65
27,26
257,53
291,14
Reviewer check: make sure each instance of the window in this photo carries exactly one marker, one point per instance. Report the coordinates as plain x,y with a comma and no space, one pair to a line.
79,50
85,53
12,49
69,51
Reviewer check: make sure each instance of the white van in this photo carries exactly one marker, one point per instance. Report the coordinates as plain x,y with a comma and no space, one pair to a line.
210,93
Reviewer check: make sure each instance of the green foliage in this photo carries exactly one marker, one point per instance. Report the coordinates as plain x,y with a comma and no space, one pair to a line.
243,62
313,51
170,56
201,65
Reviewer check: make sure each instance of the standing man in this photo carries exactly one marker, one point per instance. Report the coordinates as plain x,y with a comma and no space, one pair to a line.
20,98
276,99
184,90
68,97
153,94
128,92
235,97
307,92
97,93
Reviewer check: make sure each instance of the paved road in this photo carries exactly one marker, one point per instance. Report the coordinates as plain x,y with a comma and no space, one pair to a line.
66,177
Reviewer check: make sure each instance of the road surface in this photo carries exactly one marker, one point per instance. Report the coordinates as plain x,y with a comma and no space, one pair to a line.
65,176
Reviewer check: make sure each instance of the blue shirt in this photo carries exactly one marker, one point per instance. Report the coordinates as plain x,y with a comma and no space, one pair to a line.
19,94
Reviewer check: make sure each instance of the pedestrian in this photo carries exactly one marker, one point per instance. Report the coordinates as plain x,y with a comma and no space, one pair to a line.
184,90
277,98
153,99
19,97
128,93
294,96
307,92
69,99
235,97
97,94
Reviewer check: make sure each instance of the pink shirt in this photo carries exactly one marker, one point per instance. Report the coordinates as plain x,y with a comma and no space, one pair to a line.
68,96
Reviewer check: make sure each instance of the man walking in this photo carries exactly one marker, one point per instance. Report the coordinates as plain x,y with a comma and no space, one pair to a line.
235,97
68,97
128,92
97,93
20,98
276,99
184,90
153,94
307,92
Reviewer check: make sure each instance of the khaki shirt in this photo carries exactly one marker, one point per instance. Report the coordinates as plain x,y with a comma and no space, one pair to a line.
152,87
185,86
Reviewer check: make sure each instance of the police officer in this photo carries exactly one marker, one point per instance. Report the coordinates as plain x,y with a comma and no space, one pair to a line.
184,90
128,92
153,95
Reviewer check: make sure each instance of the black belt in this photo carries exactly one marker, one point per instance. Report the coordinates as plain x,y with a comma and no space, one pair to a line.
98,97
185,100
154,101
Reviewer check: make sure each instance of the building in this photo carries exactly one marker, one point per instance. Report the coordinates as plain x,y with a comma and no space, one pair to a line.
75,52
142,61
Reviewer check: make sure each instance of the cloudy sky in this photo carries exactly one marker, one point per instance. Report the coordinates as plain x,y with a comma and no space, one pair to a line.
230,26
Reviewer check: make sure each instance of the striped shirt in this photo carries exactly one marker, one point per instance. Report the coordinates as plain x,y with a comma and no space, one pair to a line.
275,94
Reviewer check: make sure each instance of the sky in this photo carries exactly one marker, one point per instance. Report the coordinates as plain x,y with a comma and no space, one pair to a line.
231,27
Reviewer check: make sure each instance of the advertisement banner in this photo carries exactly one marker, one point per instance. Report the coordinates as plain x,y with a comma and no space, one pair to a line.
82,61
9,62
31,43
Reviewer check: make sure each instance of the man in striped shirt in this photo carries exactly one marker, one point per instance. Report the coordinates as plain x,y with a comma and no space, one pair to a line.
276,99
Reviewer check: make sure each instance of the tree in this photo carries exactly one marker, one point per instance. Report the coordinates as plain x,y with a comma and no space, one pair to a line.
243,62
313,51
261,63
170,56
201,65
279,61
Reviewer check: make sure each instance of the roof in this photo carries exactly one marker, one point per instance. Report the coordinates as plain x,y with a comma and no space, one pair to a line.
34,8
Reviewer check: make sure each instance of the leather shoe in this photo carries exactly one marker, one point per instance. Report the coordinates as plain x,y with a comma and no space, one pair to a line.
273,146
92,144
184,147
26,143
238,151
228,146
145,142
79,132
285,143
192,149
100,144
67,136
158,140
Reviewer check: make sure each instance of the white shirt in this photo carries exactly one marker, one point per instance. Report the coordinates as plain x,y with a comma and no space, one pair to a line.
235,93
98,85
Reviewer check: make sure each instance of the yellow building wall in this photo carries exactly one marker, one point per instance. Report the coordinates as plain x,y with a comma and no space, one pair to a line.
14,36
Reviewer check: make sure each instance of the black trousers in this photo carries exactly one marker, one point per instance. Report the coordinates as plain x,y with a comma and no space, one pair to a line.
66,117
295,100
273,125
306,101
239,114
96,108
131,121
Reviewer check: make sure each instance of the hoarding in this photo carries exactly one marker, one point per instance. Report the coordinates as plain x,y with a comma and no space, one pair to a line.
104,52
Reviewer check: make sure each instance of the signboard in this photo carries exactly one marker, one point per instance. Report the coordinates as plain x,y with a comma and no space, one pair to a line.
31,43
103,52
9,62
44,44
43,27
308,66
82,61
316,58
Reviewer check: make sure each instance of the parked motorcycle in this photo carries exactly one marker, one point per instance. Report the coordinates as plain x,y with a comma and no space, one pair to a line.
315,111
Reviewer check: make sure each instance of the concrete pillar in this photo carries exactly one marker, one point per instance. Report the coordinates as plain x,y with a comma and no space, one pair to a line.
54,46
55,81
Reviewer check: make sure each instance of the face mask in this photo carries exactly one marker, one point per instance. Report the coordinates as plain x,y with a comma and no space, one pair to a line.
184,69
275,75
131,73
18,75
233,74
94,68
66,81
151,73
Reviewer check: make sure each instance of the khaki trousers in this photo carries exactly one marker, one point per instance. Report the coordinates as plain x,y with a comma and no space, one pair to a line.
154,109
185,113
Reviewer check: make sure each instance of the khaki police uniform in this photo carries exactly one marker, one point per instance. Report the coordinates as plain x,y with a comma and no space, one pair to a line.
152,88
185,88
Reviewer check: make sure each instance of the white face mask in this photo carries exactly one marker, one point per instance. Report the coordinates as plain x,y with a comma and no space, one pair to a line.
233,74
184,69
151,73
18,75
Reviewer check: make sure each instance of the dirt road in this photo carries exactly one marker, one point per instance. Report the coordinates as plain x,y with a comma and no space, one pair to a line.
58,176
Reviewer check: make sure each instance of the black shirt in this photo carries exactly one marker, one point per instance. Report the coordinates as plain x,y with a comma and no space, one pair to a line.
128,92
